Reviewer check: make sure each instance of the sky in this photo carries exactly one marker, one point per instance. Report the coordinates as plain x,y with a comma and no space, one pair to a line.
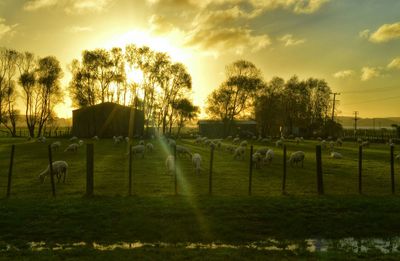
353,44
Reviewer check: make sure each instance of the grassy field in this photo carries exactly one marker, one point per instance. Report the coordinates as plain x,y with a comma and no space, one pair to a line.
154,214
230,177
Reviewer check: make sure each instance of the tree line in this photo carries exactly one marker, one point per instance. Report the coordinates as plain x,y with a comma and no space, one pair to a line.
162,93
292,107
36,81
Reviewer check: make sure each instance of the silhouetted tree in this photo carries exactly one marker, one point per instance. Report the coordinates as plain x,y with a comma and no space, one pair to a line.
185,111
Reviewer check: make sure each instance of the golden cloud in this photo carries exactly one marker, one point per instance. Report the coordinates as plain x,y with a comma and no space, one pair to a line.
394,64
343,74
367,73
288,40
386,33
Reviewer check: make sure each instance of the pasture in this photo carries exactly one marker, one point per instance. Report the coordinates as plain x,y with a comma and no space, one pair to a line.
230,177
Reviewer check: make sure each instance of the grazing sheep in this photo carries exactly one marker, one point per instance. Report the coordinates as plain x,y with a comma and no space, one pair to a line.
236,140
256,159
207,142
80,142
243,143
279,143
269,156
331,145
117,140
170,164
42,139
239,153
198,140
230,149
149,147
59,170
339,142
296,158
365,144
72,147
262,151
127,140
138,149
196,161
95,138
336,155
319,139
398,158
73,139
182,151
265,140
228,138
141,142
297,140
55,146
323,144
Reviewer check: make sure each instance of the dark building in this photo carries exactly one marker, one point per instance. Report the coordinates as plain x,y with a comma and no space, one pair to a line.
215,128
106,120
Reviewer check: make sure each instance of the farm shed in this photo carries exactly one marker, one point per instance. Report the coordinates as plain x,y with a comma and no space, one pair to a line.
215,128
106,120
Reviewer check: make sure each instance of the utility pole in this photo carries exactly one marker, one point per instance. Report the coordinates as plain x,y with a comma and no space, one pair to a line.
334,103
355,122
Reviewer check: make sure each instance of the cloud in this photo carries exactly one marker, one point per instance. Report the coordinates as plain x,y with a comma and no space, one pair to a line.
386,33
160,25
5,29
394,64
78,29
295,6
364,33
367,73
288,40
343,74
69,6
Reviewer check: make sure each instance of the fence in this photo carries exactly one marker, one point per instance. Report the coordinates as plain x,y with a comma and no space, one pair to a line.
374,135
90,171
59,132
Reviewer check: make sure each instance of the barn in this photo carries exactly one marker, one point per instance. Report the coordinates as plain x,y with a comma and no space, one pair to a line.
107,120
215,128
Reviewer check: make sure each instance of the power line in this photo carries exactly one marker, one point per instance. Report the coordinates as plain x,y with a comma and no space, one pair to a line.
334,103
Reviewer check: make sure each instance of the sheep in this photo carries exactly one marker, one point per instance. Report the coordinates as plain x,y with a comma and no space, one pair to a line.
230,149
296,158
239,153
269,155
117,140
365,144
55,146
254,137
198,140
256,159
262,151
141,142
171,143
297,140
80,142
323,144
236,140
196,161
59,170
207,142
336,155
181,150
331,145
95,138
127,140
339,142
41,139
228,138
243,143
138,149
72,147
73,139
265,140
279,143
170,164
149,147
398,158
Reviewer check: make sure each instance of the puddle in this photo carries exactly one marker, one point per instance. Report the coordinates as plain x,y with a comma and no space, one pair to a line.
384,246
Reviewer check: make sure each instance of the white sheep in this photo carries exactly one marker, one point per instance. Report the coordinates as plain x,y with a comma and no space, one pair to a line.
336,155
365,144
170,164
279,143
265,140
127,139
95,137
262,151
331,145
239,153
55,146
296,158
323,144
230,149
269,156
141,142
182,151
236,140
149,147
339,142
138,149
198,140
117,140
59,170
196,161
72,147
80,142
243,143
398,158
297,140
42,139
256,159
228,138
73,139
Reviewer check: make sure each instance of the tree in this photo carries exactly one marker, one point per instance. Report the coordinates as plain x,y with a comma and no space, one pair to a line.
185,111
31,98
8,93
49,74
235,97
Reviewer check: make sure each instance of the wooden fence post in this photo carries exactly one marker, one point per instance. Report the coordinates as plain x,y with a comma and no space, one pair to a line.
89,169
392,167
211,167
53,187
320,182
360,158
284,171
175,174
10,170
251,169
130,170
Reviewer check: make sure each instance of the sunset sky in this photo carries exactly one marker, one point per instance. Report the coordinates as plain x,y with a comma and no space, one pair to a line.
353,44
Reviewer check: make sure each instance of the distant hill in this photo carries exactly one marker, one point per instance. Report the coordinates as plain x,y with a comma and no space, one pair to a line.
348,122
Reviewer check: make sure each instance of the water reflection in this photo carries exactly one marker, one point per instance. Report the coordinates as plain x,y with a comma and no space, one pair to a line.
353,245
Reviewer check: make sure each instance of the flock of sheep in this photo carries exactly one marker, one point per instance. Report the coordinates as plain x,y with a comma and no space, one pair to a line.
234,146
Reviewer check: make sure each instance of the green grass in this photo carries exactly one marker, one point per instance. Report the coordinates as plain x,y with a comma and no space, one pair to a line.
154,214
